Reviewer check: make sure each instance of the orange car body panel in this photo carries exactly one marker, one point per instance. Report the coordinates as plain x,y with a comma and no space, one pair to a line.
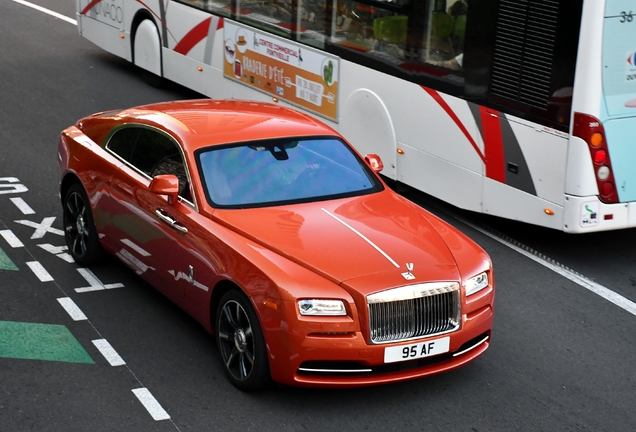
277,254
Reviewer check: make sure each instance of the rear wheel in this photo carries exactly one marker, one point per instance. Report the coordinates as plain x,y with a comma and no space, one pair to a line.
79,228
240,342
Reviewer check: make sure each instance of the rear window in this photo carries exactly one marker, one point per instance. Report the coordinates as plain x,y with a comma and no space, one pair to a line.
619,58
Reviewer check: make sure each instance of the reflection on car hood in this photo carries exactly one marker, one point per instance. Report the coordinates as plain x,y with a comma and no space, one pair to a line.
351,238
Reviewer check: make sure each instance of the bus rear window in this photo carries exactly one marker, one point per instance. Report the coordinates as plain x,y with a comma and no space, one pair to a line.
619,60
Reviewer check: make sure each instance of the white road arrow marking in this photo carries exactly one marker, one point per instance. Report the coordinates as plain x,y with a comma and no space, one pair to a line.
95,284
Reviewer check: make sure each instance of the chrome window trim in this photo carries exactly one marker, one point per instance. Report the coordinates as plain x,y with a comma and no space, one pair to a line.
116,129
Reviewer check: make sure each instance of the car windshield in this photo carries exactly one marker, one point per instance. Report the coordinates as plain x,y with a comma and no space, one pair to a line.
283,171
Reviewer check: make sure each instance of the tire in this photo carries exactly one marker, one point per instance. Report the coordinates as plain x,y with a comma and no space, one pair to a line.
240,342
79,228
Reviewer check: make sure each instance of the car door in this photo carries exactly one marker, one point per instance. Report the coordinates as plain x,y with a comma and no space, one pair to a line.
160,240
143,240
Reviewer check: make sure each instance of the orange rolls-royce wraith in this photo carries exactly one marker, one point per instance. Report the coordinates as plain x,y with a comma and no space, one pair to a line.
270,230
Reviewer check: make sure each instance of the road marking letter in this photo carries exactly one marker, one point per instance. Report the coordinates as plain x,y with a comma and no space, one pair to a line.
23,206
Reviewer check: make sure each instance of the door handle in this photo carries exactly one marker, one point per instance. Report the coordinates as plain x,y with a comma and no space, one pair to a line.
170,221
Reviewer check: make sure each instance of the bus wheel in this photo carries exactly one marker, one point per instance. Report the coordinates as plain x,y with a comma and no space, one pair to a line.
147,52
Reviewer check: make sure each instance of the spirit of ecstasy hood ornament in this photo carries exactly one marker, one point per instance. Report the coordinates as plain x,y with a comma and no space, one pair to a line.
408,275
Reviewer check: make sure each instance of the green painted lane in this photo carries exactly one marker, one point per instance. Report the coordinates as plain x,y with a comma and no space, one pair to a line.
33,341
5,262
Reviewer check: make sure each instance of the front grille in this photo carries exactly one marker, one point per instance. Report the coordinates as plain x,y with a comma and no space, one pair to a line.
414,311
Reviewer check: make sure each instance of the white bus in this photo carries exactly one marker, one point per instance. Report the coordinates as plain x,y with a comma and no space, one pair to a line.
523,109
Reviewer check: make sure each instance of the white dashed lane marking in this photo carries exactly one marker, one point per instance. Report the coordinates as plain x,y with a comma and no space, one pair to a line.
39,271
108,352
150,403
11,238
71,308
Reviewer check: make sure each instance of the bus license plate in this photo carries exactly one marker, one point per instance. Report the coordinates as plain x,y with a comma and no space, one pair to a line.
418,350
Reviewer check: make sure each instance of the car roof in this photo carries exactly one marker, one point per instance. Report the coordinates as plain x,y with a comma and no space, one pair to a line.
208,122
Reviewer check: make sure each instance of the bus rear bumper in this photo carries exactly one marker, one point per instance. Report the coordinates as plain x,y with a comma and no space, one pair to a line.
589,214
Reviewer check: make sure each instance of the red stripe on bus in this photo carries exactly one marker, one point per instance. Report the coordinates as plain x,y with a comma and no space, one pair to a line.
147,7
219,26
493,144
194,36
89,6
442,103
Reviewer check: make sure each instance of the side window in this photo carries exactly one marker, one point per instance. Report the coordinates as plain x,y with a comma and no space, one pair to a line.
220,7
276,16
122,143
151,152
429,32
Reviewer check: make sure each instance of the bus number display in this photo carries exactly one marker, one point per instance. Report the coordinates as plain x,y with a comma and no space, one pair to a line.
626,17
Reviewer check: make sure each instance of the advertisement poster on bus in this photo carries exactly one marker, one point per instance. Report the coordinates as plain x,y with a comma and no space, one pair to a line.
294,73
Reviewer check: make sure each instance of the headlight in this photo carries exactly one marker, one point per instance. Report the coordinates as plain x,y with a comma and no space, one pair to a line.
476,283
322,307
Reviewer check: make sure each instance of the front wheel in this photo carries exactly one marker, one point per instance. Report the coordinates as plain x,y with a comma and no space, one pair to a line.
79,227
240,342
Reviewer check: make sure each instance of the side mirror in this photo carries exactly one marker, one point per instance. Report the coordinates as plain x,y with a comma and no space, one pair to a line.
374,162
166,184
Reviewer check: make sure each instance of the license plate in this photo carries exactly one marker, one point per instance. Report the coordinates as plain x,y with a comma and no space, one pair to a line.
417,350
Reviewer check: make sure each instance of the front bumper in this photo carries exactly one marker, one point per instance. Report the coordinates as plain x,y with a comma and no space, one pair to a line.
340,359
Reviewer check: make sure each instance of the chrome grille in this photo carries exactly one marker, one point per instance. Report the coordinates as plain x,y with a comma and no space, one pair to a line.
414,311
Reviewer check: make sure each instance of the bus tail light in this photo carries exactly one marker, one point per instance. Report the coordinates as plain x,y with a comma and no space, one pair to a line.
600,156
591,130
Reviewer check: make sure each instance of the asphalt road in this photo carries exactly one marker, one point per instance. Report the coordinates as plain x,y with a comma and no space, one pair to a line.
561,356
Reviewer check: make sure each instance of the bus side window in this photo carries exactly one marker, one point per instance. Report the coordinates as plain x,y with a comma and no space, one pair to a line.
367,28
315,19
423,31
448,27
275,16
220,7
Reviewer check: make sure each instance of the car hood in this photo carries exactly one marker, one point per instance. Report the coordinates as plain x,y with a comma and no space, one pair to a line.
351,239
